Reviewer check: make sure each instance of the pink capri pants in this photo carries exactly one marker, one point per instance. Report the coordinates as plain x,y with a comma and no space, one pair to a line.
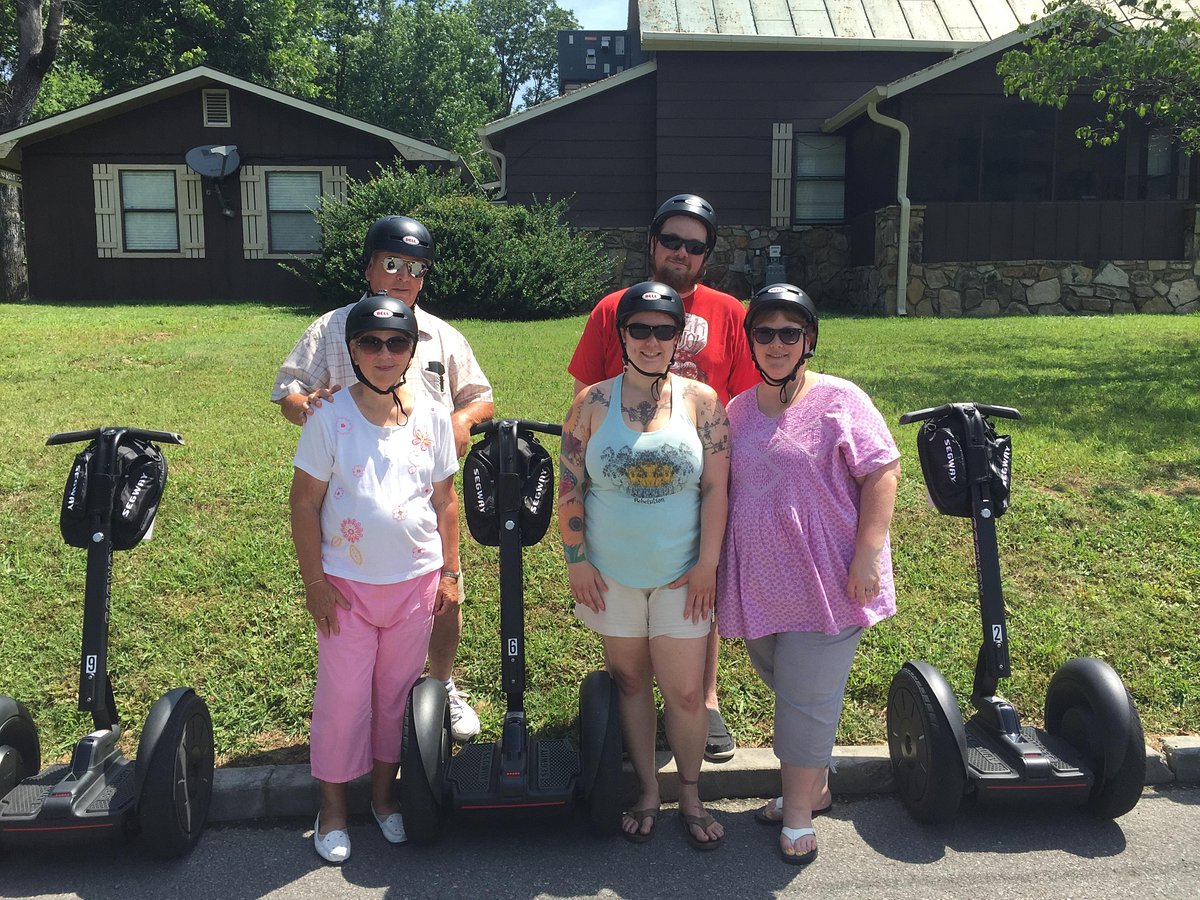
365,672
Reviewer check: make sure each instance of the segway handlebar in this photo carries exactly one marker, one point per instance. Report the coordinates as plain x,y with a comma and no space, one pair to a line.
71,437
1004,412
525,424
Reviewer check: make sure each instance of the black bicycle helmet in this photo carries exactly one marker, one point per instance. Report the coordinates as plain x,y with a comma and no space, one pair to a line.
687,205
400,235
649,296
379,312
785,298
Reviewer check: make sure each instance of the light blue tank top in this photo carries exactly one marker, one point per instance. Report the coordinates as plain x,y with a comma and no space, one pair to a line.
642,507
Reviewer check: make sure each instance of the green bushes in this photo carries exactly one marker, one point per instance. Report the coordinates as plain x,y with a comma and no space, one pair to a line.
493,262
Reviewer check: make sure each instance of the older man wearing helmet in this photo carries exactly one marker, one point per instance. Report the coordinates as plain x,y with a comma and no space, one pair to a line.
711,350
398,253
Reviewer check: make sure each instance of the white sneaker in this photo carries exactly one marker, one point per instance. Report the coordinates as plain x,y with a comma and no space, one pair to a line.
333,847
464,724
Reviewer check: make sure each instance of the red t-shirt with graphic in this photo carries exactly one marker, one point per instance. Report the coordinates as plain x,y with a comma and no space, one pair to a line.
712,350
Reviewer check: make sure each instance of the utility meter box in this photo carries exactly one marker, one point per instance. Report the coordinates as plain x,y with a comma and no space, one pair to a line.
587,56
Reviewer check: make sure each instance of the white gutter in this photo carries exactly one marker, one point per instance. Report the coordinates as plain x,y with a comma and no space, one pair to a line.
501,164
905,205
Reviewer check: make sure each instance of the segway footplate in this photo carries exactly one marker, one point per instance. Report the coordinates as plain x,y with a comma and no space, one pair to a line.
25,800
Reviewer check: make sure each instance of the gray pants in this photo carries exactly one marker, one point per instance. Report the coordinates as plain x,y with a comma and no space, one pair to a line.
807,671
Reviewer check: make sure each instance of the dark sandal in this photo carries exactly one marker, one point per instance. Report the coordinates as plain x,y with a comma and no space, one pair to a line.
772,812
703,822
638,815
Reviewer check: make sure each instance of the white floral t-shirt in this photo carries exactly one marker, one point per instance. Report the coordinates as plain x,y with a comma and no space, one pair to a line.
378,524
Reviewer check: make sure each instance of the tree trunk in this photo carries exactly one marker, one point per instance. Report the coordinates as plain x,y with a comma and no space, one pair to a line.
36,49
14,283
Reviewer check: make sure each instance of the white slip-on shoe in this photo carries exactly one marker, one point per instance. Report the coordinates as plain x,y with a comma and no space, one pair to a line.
391,825
333,847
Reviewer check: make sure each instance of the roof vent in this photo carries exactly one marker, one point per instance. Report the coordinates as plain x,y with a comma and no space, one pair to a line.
216,108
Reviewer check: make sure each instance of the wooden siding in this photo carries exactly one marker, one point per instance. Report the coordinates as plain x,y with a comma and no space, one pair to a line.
596,153
1086,231
60,200
716,112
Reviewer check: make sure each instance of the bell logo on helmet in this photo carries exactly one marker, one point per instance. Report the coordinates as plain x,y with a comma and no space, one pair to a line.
652,295
382,314
409,239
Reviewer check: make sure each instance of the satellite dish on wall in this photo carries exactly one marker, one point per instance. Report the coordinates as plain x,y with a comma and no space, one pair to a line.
215,161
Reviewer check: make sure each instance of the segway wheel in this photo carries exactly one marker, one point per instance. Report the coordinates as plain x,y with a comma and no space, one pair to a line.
425,760
177,789
600,753
926,762
20,749
1088,705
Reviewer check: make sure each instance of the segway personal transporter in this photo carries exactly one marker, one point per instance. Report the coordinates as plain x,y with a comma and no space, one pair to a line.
109,504
508,489
1091,752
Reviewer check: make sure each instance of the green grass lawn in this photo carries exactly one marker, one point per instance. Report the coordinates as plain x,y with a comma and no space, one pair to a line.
1100,551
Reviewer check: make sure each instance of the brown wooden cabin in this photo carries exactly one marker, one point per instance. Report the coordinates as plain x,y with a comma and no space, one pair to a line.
770,121
112,211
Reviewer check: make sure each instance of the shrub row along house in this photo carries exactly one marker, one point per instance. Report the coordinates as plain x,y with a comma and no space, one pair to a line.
863,150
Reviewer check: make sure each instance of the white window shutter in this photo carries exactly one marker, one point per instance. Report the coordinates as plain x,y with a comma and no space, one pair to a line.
333,182
254,213
104,185
191,214
781,174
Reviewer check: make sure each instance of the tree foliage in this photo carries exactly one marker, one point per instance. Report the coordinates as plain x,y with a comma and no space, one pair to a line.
493,262
423,69
1139,63
524,38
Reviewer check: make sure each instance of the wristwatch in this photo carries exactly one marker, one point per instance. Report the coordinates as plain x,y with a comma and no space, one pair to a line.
451,574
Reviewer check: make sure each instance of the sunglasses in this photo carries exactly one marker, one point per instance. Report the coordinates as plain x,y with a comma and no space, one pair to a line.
416,268
639,331
371,345
674,242
764,335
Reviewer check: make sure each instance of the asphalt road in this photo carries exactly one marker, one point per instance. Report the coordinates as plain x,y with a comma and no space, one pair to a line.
869,848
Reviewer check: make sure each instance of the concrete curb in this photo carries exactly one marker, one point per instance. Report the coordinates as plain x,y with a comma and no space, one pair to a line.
271,792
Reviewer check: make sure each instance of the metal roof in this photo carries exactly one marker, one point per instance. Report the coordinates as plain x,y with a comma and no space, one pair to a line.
831,24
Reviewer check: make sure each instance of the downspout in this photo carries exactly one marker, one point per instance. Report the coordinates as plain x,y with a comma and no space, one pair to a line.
905,204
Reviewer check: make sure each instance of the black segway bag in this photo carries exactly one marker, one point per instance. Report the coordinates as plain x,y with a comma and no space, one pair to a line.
941,447
481,489
140,478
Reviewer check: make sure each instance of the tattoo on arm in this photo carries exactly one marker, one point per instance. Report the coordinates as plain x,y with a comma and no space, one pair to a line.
709,441
567,482
575,523
574,553
572,448
598,397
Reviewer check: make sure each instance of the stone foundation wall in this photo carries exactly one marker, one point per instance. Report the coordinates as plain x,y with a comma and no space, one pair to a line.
1021,287
813,258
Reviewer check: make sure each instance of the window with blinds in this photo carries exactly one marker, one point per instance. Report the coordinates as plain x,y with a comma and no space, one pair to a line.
820,186
149,215
292,200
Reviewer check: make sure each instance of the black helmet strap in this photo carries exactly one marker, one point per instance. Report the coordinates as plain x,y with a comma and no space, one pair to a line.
391,390
659,377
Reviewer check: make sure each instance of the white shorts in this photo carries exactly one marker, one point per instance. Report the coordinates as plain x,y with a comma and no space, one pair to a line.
643,612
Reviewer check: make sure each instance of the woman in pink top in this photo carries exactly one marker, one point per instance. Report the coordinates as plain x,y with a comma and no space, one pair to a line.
806,565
